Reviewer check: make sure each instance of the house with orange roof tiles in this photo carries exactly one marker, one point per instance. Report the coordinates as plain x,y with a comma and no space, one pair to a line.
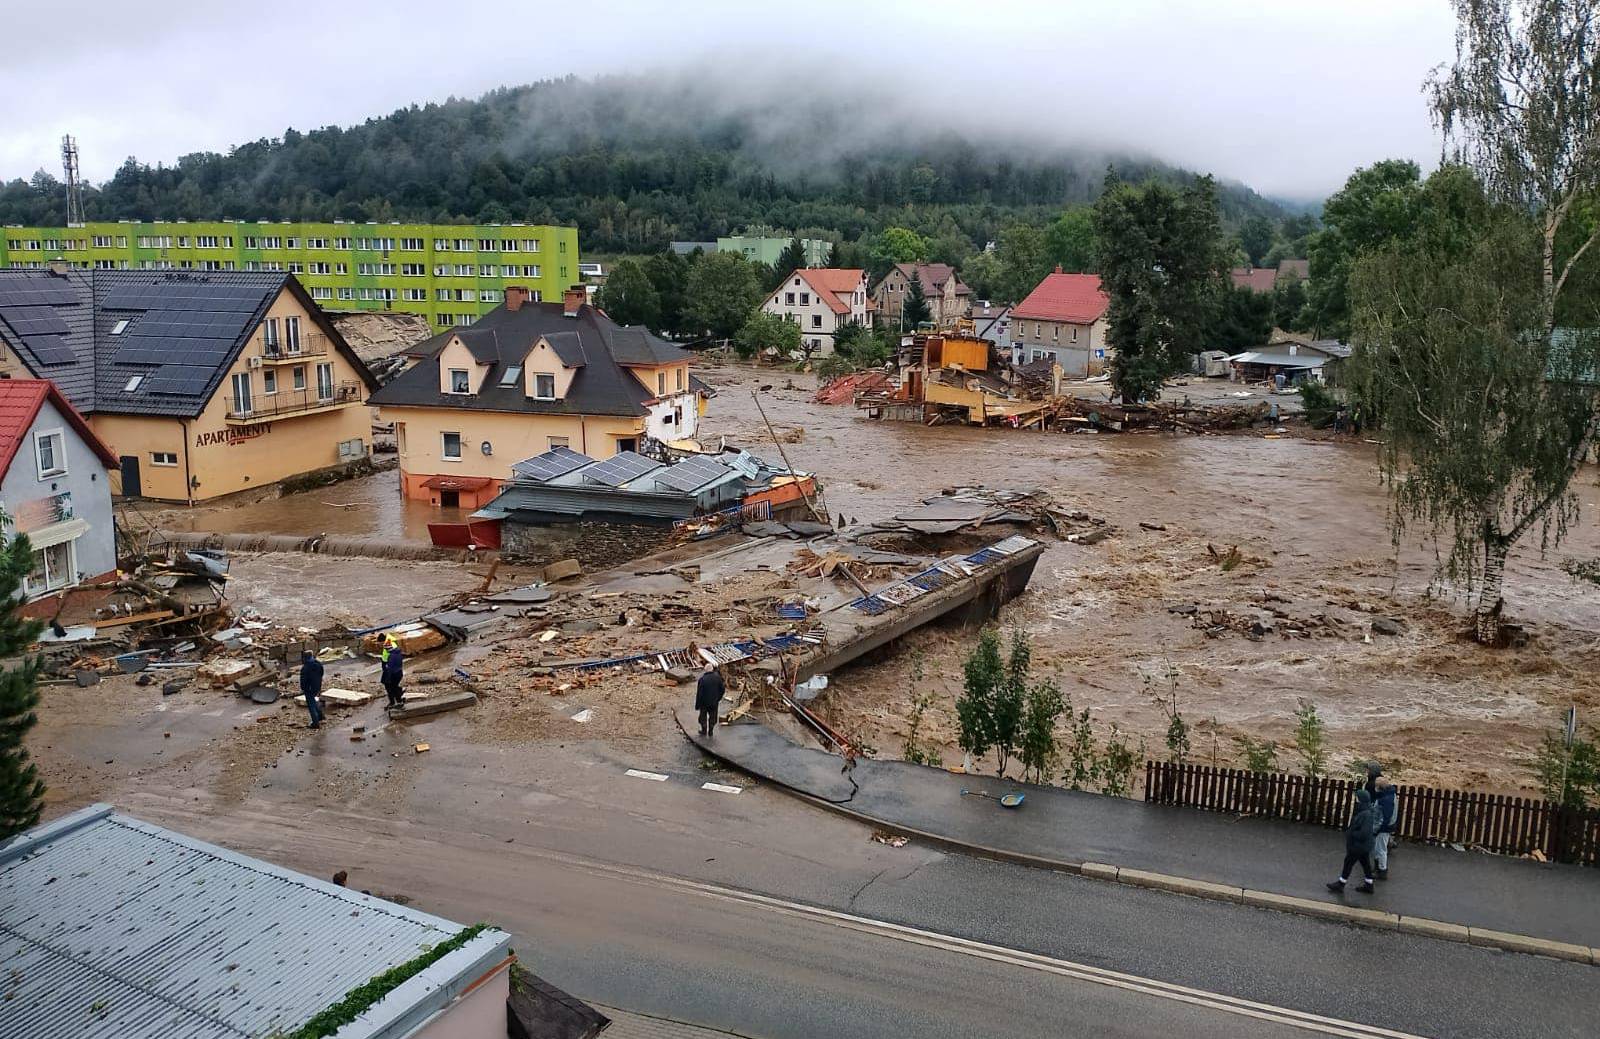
822,300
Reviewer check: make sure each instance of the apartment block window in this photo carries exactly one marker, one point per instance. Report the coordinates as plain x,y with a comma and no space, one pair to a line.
291,243
490,295
508,246
296,268
341,268
384,294
466,296
165,458
227,241
53,244
272,242
205,241
321,292
122,241
508,271
183,241
441,245
442,295
316,243
486,245
451,447
561,247
530,245
105,265
386,244
411,244
345,293
530,270
415,295
243,402
50,450
364,244
544,386
463,319
324,382
102,241
364,293
463,245
413,270
458,381
211,265
464,270
486,270
299,377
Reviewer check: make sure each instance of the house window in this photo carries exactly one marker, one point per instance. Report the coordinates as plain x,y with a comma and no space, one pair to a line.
679,372
269,335
242,402
805,299
1055,333
52,568
291,334
133,383
120,327
300,378
510,376
452,447
50,449
458,381
324,382
788,299
816,320
1074,333
661,382
166,458
269,382
544,386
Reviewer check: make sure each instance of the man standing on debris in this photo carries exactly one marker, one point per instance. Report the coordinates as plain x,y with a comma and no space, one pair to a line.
707,698
394,668
311,686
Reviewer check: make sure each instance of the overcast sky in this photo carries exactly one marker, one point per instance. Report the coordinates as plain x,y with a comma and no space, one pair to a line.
1287,97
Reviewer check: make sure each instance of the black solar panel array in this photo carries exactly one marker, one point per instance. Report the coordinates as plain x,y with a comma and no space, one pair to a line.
41,328
15,292
183,379
620,468
691,474
558,461
177,295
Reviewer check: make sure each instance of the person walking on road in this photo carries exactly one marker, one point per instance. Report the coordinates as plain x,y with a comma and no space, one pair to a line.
1385,805
393,660
311,686
708,692
1359,838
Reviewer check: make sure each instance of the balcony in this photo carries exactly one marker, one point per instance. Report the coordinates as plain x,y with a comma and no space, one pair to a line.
310,344
290,403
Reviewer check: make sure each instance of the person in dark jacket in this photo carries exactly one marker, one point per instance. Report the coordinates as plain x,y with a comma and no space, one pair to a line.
708,692
311,686
1387,808
1359,837
394,670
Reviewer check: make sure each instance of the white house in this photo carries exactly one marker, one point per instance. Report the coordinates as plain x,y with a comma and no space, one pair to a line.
822,299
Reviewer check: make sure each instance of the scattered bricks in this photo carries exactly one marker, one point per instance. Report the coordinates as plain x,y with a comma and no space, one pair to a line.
420,748
1324,910
1098,870
1523,943
1180,885
1433,929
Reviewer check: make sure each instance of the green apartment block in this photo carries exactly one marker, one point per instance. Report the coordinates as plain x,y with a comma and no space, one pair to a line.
452,273
767,250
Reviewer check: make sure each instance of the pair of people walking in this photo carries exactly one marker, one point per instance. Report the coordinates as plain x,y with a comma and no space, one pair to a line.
1371,828
393,665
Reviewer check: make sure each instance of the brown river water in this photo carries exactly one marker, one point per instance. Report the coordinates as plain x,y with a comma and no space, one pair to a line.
1308,516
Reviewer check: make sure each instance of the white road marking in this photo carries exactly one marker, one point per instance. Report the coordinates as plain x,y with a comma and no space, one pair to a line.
638,773
721,788
998,954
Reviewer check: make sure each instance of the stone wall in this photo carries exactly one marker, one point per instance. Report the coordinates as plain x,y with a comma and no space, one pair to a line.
598,546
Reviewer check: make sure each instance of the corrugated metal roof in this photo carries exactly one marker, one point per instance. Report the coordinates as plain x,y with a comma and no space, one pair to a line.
114,927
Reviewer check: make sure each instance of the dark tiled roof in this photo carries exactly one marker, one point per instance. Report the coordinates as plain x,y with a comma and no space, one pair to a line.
933,277
94,331
589,342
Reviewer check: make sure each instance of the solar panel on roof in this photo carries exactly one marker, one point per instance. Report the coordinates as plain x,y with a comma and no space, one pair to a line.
558,461
181,379
51,350
144,350
691,474
29,321
620,468
35,292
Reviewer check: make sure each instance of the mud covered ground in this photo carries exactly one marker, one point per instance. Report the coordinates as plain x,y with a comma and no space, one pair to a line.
1317,564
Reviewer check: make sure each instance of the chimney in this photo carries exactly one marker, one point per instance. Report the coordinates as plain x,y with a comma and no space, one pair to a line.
1058,268
59,267
516,296
572,299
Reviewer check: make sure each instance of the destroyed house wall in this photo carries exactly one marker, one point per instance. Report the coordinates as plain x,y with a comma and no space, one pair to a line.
598,546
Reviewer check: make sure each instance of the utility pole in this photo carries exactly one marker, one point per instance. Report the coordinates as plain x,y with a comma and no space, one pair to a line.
69,163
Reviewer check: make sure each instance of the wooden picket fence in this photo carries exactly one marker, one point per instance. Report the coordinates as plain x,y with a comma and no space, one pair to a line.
1491,822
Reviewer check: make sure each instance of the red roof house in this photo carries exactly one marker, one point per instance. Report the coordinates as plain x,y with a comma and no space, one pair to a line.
20,401
1075,299
1256,279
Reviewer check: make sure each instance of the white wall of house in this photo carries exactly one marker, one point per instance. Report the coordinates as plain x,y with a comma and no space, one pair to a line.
1079,349
796,300
673,418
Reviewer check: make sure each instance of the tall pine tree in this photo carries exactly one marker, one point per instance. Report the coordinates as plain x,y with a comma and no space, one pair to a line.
21,790
915,310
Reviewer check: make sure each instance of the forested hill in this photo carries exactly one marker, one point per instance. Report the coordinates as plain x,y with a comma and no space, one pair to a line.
633,162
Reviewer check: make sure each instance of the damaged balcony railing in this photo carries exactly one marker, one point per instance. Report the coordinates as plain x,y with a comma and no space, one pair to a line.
288,402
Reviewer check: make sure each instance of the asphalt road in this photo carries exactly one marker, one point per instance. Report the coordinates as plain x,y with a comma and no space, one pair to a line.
757,915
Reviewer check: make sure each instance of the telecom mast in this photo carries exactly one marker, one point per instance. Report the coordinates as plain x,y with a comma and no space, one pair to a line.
69,163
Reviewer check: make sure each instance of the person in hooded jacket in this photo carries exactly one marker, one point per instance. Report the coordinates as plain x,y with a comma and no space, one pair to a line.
394,670
1387,809
1359,838
311,686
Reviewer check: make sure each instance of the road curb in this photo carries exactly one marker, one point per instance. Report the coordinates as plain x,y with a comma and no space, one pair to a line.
1359,916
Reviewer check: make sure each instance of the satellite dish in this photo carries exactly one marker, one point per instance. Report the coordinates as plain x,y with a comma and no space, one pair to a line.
486,447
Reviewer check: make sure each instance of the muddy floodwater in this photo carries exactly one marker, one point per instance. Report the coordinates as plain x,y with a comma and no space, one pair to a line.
1308,517
1146,611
